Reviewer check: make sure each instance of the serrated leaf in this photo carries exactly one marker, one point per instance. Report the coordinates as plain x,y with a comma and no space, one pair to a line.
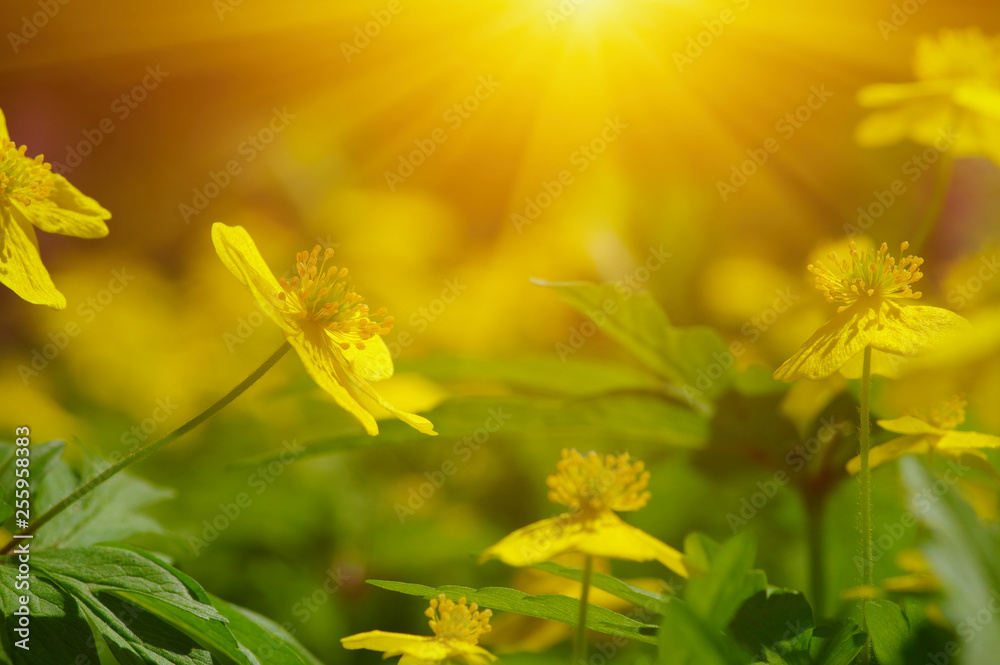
889,631
264,638
716,596
548,606
648,600
777,626
695,358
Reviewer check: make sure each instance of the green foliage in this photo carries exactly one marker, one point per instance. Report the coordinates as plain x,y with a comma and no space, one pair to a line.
548,606
649,600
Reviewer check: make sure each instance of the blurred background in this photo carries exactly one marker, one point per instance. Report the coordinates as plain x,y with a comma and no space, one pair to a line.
449,152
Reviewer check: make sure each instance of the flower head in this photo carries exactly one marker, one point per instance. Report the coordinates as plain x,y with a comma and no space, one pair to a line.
953,105
31,195
457,628
867,274
872,290
596,484
593,487
324,318
928,432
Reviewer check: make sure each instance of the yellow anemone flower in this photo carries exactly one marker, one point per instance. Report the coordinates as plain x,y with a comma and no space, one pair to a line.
593,488
930,432
32,195
324,319
871,288
457,628
954,105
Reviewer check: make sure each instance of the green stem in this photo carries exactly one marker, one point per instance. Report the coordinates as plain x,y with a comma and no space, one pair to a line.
144,452
580,646
864,476
939,195
815,504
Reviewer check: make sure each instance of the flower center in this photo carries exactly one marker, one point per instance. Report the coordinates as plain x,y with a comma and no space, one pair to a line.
22,179
596,484
457,621
323,294
947,415
868,274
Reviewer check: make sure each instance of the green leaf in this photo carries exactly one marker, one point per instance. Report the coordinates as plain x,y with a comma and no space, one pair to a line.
716,596
549,606
690,358
139,606
6,511
648,600
264,638
962,552
624,418
836,644
686,639
777,626
889,631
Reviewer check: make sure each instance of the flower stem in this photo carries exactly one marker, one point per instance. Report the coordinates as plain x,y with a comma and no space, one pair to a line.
144,452
865,479
580,646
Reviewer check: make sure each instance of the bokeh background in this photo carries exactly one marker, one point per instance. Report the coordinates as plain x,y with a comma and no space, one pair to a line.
517,89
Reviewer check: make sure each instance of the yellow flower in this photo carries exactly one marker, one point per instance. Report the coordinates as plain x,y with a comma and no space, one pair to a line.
325,321
956,99
871,289
930,432
457,628
32,195
594,488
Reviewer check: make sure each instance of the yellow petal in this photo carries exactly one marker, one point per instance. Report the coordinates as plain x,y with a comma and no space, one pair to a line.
418,423
885,94
324,366
4,136
890,450
607,536
979,98
21,267
920,121
913,329
954,440
67,211
910,425
889,365
373,363
394,644
239,253
831,346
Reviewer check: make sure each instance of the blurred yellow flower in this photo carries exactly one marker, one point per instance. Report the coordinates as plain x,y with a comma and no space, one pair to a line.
325,321
955,102
32,195
457,628
593,488
933,431
868,285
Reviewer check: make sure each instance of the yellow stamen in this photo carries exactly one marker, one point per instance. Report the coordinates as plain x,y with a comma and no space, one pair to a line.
23,179
868,274
457,621
323,294
594,484
947,415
